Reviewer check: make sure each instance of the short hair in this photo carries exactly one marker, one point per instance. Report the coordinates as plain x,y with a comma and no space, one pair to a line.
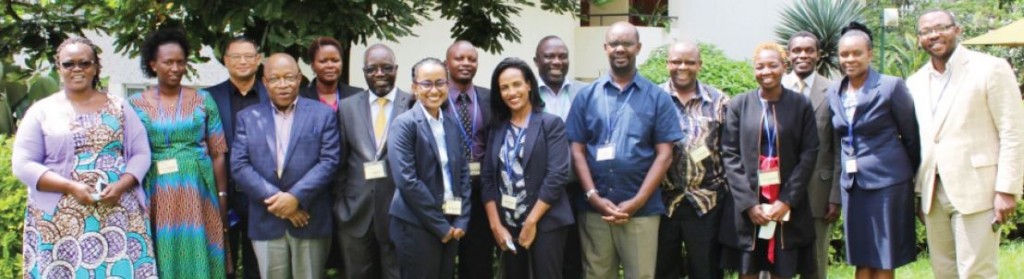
315,46
856,29
425,61
772,46
498,106
154,41
952,18
546,39
236,40
804,34
95,55
378,46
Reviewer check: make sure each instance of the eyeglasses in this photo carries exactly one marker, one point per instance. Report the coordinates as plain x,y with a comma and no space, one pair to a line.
625,44
936,29
386,69
241,57
426,84
288,79
84,64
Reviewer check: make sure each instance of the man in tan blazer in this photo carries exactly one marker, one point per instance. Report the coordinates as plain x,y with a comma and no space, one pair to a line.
972,122
822,190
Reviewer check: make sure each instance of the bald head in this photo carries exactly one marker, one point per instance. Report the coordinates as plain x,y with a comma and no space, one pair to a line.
622,44
461,62
684,47
622,27
281,77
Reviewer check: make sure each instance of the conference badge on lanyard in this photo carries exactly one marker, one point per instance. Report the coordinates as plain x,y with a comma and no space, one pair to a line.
374,170
452,206
606,152
167,166
699,154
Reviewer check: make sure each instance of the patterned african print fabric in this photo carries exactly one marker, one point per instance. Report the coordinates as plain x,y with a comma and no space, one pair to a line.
513,184
92,241
187,228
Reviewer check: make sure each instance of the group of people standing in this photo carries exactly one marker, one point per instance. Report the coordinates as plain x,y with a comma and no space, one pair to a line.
556,178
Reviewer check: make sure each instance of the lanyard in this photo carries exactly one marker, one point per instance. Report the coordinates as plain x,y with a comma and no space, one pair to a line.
611,121
467,136
509,155
935,101
771,131
159,111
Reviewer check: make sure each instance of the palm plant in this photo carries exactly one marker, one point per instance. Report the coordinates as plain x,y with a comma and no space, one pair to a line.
824,19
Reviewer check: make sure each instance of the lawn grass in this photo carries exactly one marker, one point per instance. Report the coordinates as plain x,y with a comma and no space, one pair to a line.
1011,265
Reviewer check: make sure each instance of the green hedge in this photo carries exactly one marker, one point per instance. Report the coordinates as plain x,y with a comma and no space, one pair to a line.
12,213
731,76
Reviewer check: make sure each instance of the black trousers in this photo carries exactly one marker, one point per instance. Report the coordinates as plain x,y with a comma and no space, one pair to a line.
238,237
700,235
542,261
367,256
420,254
572,264
477,248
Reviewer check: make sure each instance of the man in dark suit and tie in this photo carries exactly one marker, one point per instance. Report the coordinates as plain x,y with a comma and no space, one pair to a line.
364,190
430,210
242,89
822,191
469,105
283,157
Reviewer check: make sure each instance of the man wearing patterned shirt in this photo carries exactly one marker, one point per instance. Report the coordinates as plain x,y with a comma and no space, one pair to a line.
695,182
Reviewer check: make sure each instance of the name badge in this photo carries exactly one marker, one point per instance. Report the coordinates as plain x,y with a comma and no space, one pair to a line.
851,166
474,168
771,177
605,152
374,170
452,207
167,166
508,202
699,154
767,231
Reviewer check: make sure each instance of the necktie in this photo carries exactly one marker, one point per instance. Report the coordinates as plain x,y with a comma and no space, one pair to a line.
467,125
801,85
379,123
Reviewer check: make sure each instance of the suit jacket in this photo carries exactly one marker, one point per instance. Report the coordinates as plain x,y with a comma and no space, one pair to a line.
885,133
222,96
415,168
358,201
312,158
483,99
309,91
545,176
972,138
798,140
823,188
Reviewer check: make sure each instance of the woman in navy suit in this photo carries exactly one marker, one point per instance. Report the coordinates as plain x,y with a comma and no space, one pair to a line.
873,116
524,174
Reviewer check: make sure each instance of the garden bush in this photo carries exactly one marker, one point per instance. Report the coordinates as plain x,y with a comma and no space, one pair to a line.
12,213
731,76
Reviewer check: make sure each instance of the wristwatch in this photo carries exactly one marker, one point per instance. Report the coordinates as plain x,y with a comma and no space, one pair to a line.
590,193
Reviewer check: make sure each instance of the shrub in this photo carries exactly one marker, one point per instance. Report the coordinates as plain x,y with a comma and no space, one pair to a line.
12,213
730,76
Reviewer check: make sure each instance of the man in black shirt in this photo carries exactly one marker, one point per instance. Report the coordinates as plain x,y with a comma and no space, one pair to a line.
242,89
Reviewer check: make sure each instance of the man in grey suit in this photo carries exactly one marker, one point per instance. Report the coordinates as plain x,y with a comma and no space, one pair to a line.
822,190
364,190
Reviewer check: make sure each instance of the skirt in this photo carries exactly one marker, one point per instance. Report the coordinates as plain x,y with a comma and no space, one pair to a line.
879,226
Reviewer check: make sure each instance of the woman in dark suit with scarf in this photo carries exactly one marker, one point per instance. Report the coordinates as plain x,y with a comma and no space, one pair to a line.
524,174
769,144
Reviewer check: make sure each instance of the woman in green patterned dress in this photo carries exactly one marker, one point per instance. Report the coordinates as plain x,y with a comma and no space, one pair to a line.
187,180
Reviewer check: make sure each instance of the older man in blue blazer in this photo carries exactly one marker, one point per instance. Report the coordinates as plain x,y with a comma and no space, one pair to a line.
284,156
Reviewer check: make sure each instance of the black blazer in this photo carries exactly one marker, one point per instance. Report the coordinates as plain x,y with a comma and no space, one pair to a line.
309,91
419,183
798,140
222,96
545,168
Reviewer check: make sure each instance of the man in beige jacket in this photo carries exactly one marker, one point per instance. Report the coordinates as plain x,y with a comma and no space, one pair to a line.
972,169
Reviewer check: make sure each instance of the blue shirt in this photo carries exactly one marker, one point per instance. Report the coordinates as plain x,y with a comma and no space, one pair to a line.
647,118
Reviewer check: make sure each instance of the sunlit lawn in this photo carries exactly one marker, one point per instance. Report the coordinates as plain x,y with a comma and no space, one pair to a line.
1011,265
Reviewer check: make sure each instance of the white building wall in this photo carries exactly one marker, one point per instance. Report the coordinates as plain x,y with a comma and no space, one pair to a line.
433,38
735,26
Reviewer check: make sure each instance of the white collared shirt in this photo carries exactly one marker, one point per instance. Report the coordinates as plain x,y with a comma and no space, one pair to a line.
437,128
937,83
791,81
